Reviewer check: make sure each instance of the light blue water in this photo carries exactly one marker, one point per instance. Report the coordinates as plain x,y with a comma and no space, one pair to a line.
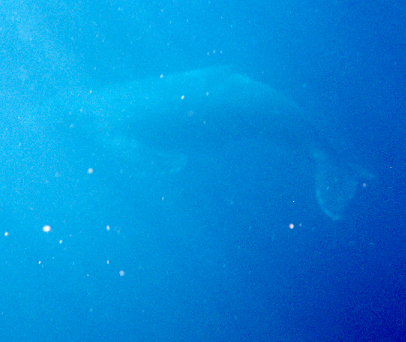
145,247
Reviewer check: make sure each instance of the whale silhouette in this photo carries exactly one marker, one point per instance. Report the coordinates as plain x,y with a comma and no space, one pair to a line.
160,121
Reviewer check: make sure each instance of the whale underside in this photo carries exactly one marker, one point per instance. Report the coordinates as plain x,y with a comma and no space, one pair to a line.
159,122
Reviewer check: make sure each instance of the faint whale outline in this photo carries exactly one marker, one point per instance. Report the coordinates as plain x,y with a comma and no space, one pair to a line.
165,118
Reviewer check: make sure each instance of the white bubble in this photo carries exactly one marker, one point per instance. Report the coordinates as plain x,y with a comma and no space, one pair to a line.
46,229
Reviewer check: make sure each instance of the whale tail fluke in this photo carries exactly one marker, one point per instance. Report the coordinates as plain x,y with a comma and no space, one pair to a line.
336,184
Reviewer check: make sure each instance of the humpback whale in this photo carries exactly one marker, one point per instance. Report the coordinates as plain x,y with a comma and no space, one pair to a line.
160,121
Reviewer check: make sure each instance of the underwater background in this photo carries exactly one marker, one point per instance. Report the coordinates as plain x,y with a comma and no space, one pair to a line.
234,246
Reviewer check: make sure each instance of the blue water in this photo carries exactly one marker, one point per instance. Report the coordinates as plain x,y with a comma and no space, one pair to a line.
205,253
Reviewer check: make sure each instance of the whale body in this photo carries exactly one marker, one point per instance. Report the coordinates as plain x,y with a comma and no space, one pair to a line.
160,121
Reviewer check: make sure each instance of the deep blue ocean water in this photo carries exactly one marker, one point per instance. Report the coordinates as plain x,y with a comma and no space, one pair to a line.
205,252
